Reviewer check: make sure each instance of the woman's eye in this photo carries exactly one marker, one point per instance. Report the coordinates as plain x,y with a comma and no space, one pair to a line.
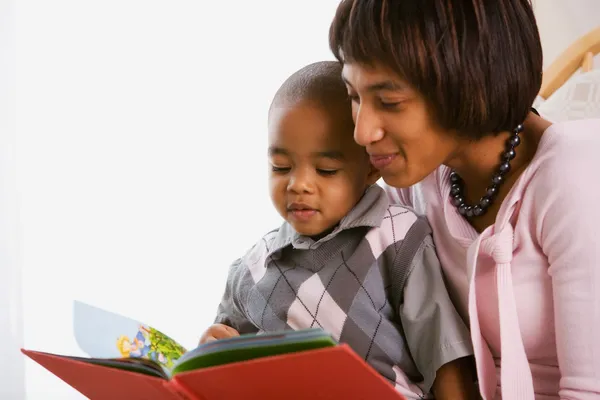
280,170
327,172
354,98
389,105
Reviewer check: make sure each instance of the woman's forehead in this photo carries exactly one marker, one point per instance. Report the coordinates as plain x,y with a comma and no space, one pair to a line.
372,78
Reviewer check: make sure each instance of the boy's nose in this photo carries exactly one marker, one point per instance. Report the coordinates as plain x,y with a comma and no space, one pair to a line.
301,183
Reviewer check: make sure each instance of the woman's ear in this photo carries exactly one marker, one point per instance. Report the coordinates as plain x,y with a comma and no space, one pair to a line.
373,176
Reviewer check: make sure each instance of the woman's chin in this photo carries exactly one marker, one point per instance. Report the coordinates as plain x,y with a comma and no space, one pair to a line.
399,180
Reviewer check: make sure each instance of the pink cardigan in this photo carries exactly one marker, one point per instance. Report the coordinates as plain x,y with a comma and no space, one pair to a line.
529,285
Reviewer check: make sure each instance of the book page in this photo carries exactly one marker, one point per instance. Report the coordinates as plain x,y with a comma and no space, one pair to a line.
103,334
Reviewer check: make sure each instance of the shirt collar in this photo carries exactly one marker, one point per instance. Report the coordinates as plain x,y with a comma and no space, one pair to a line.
368,212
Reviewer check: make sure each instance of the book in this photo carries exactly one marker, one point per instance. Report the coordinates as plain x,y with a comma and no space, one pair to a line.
290,364
103,334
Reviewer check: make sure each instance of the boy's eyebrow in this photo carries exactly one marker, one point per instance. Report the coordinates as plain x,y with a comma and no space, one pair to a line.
274,150
377,86
333,154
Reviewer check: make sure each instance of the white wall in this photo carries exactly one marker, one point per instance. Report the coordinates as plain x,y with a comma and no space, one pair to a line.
561,22
142,154
12,384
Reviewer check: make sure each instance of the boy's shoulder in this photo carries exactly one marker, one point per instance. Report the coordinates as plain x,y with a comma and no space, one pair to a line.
253,261
399,220
263,246
400,225
401,213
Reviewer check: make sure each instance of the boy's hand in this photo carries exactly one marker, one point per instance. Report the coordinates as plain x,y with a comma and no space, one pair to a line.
218,331
455,380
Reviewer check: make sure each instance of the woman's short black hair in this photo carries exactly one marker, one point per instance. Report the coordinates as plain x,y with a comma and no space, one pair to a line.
478,63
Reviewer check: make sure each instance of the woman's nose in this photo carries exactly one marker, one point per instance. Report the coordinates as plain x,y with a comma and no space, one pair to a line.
367,126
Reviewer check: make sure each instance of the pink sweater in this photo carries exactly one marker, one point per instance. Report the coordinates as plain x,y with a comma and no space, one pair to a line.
529,285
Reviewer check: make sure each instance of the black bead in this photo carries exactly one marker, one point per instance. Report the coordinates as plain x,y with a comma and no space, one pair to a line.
509,154
485,202
514,141
491,191
469,211
504,168
458,200
455,189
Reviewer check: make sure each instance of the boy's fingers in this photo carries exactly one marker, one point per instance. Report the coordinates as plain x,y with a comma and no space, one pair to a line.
221,332
232,331
217,332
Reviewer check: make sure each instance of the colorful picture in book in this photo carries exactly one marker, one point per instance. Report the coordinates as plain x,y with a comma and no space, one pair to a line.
151,344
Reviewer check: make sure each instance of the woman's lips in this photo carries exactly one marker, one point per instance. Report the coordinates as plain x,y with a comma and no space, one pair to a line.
381,161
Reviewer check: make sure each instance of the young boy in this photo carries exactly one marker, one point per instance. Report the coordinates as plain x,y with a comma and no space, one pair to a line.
345,259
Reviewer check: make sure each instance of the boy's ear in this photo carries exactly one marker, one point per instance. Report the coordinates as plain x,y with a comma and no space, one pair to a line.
373,176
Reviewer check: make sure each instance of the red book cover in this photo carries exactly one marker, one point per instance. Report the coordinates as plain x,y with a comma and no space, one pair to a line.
327,373
100,382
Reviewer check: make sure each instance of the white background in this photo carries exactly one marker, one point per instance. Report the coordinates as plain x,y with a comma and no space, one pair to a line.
11,334
136,170
142,155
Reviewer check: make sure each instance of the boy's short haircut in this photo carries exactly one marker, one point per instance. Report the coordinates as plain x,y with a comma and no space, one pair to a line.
478,64
320,82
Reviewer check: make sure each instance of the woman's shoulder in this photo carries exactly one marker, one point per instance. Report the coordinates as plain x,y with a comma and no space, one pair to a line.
563,137
566,159
568,146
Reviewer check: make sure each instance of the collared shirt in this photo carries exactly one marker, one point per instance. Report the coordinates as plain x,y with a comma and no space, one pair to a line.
374,283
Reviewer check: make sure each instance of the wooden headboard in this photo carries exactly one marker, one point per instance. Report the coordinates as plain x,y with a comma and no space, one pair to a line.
580,54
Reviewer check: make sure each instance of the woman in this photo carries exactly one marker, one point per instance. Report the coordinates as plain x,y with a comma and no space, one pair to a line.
441,93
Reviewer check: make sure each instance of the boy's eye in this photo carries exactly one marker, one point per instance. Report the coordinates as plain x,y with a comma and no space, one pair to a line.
280,170
353,98
327,172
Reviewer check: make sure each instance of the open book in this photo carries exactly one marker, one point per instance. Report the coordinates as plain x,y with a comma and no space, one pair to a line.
143,363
